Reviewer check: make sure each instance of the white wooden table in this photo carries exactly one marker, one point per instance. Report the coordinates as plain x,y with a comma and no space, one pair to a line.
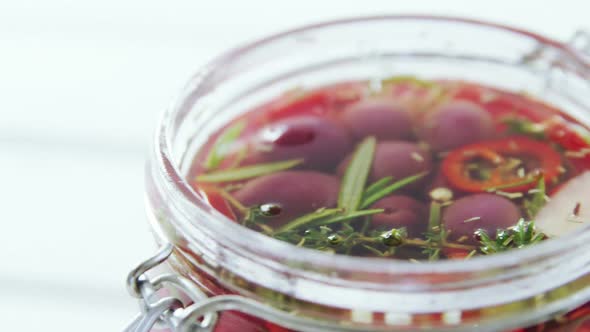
81,86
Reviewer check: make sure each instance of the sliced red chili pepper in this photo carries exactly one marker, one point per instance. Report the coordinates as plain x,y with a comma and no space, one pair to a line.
216,200
567,137
501,104
454,253
275,328
582,312
318,102
234,321
572,141
494,157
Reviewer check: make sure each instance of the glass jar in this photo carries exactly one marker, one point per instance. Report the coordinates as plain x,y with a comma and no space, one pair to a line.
224,266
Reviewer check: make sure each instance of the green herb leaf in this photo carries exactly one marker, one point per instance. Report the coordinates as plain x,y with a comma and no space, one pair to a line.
524,127
387,190
377,185
434,219
488,245
240,156
526,234
520,235
306,219
374,250
355,177
471,254
525,181
347,216
217,152
247,172
436,235
534,205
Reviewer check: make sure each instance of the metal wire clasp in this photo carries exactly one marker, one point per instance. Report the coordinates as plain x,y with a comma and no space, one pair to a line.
189,309
167,311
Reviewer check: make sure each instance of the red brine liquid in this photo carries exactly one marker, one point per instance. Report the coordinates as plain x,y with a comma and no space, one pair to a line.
411,169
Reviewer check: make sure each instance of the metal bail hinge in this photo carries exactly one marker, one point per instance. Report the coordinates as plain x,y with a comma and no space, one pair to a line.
168,310
186,308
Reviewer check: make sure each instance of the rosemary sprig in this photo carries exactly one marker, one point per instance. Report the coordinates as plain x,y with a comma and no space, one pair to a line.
307,219
347,216
219,148
355,177
381,191
324,217
377,185
247,172
351,192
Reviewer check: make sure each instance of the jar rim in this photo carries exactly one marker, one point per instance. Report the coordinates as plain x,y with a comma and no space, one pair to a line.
253,241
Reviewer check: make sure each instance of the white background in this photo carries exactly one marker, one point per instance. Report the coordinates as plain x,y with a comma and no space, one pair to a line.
81,86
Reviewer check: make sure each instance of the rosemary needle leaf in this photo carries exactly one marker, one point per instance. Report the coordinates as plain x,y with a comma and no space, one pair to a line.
306,219
229,135
387,190
355,177
347,216
377,185
246,172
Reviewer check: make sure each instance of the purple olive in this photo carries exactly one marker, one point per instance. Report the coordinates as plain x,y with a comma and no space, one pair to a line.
400,160
397,159
401,211
381,118
456,124
322,143
290,194
481,211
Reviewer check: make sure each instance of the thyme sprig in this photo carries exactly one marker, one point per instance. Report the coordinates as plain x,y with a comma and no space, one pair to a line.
343,238
346,238
521,235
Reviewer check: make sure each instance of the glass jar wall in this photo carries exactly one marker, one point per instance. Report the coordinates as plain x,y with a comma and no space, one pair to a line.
307,290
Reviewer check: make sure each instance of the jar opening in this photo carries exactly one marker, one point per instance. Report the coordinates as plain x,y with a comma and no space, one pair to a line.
211,99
